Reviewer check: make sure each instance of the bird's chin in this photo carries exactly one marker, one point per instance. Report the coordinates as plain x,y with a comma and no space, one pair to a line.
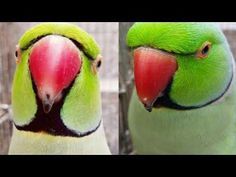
163,100
160,102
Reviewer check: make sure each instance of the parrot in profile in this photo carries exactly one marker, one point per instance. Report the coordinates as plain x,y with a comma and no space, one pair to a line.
56,100
184,100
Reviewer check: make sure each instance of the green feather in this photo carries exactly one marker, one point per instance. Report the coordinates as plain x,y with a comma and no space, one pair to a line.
208,130
81,111
23,97
89,45
197,81
182,38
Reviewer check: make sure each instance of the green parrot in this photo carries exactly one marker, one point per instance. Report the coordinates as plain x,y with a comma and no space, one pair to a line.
56,98
184,101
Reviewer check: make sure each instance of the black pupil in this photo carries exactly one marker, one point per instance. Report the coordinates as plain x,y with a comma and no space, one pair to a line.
16,54
205,50
99,64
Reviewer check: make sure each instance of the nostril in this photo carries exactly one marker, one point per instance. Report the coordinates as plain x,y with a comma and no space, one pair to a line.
47,96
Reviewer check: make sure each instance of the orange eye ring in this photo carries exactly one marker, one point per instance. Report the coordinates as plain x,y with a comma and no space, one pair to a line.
203,50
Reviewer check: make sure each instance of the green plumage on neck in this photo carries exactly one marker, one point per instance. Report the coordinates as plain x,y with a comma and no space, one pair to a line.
181,38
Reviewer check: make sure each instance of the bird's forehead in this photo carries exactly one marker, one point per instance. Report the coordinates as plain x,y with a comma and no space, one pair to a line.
182,38
73,32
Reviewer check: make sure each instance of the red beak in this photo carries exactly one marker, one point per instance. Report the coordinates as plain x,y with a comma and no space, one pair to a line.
153,70
54,63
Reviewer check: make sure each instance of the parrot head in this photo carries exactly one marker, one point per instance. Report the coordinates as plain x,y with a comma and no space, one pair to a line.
180,65
56,87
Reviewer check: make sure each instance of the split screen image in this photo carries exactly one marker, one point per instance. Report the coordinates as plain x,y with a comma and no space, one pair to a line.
124,88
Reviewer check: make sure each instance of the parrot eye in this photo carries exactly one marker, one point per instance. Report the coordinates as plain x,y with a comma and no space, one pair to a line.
99,63
96,64
204,50
16,53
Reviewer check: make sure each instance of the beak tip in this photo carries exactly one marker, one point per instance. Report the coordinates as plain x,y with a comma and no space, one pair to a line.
148,107
47,107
